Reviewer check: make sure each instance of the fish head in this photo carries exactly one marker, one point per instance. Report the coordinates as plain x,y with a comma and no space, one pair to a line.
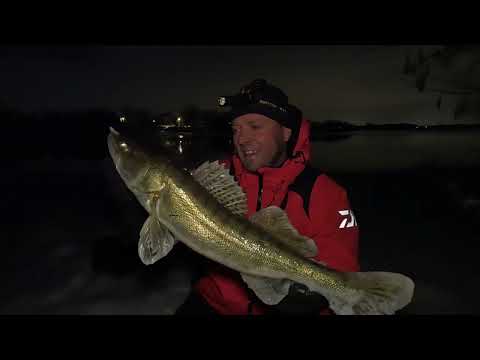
143,174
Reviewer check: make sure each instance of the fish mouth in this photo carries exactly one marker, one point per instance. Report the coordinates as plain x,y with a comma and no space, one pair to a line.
115,132
113,141
127,163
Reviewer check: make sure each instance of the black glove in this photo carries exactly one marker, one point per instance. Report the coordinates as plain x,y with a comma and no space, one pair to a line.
300,301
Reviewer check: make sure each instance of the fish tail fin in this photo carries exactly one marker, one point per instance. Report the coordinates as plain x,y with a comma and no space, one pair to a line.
377,293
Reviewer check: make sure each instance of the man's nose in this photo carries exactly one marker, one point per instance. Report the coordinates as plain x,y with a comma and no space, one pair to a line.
243,137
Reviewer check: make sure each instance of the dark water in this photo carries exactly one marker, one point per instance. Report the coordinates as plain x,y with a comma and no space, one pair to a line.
382,151
70,226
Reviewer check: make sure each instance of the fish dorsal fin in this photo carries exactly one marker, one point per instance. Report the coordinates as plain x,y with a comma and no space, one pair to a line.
275,221
215,178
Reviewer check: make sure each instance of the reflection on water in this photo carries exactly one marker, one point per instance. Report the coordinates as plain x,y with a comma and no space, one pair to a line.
191,150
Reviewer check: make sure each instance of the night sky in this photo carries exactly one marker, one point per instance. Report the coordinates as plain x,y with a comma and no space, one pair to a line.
357,84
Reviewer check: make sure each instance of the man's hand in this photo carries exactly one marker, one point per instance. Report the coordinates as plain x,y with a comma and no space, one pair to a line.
300,301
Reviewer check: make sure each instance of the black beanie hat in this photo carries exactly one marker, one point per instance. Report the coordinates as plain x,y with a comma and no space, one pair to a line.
260,97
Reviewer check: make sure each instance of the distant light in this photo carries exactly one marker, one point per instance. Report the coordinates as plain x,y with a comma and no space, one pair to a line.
153,120
179,118
180,136
122,119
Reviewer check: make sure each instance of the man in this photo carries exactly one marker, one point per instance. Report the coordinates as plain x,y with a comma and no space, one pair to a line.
271,164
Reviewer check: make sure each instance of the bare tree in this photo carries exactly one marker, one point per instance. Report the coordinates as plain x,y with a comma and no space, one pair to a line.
452,71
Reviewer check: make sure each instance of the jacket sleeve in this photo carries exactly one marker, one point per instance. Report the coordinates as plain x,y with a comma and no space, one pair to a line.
335,229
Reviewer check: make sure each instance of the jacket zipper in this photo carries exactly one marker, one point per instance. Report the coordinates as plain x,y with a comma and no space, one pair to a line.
260,191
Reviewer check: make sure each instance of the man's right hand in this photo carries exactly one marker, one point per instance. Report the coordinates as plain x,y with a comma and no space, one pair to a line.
300,301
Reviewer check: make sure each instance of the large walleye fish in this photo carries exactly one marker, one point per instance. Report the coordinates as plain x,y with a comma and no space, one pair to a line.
205,209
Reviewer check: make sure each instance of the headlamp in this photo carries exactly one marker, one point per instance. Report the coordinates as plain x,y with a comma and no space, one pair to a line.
235,100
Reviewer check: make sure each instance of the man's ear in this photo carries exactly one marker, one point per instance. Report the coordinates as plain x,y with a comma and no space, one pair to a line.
286,133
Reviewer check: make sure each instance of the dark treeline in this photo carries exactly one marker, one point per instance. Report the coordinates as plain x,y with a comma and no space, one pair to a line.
338,126
54,133
82,134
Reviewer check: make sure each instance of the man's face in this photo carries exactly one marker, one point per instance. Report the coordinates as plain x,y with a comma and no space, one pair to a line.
260,141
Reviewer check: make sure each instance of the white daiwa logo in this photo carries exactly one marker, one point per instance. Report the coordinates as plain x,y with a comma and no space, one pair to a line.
349,216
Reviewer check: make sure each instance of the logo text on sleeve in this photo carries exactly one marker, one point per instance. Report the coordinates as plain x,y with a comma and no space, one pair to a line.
349,220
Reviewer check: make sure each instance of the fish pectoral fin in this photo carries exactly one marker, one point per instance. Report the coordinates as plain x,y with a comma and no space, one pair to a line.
270,291
274,220
155,242
215,178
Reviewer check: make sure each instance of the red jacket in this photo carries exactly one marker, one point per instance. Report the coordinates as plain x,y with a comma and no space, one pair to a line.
322,214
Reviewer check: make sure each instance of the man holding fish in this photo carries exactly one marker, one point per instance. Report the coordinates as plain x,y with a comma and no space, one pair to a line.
281,235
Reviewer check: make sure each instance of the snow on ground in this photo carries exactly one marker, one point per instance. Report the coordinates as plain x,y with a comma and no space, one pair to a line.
66,251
